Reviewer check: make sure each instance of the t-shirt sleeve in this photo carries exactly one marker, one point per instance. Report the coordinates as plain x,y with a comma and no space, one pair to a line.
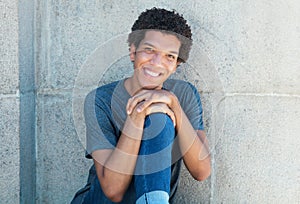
100,131
192,106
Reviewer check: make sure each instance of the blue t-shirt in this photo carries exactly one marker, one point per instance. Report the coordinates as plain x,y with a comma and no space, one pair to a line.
105,114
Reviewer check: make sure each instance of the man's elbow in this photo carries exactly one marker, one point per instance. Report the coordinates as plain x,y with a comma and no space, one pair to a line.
203,173
202,176
114,196
113,192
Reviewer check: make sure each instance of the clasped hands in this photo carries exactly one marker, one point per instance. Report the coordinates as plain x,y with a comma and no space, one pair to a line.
146,102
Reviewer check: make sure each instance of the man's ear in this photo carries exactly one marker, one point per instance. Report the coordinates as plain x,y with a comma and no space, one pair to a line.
178,63
132,50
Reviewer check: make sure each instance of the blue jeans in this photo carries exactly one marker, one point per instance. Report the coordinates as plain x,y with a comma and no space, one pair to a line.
151,182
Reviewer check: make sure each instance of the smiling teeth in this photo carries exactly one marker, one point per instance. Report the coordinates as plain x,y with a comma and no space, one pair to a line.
153,74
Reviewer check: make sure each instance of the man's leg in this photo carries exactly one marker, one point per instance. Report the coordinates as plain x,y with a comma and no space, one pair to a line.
153,169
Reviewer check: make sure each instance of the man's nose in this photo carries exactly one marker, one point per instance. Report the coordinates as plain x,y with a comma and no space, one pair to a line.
157,58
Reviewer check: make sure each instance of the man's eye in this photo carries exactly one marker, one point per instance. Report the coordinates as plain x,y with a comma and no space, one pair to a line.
148,50
171,57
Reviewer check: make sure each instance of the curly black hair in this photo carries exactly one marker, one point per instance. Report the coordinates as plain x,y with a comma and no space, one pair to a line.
169,22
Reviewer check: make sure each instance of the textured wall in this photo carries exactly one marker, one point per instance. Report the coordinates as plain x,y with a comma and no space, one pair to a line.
245,63
246,44
9,103
27,101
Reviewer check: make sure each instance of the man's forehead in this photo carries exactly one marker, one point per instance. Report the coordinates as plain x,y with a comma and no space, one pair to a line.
161,40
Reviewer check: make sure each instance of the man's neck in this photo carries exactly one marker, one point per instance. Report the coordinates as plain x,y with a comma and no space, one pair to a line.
132,89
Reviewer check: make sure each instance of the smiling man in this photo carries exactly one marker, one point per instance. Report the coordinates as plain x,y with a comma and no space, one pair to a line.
139,129
155,59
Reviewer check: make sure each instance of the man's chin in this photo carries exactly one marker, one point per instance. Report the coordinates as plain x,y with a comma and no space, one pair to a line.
152,87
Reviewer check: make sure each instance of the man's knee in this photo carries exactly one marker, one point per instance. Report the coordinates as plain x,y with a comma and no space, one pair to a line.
159,122
159,130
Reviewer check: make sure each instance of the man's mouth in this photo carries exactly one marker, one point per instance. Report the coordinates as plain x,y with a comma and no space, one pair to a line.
151,73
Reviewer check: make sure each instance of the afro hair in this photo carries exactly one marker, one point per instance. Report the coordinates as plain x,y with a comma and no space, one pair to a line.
165,21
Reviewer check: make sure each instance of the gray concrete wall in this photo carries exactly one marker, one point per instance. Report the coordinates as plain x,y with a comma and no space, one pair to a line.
245,64
9,103
27,69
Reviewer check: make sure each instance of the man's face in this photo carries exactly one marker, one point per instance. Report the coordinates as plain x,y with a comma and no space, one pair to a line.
155,59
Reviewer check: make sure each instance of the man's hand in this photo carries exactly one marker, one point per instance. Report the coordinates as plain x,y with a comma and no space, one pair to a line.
152,101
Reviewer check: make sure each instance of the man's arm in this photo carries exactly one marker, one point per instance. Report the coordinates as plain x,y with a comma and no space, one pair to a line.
115,167
193,145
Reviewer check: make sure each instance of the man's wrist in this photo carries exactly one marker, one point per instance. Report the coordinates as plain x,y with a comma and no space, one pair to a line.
133,127
176,108
175,105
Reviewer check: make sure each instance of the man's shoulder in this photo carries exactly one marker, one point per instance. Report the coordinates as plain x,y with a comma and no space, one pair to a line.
177,85
103,92
107,88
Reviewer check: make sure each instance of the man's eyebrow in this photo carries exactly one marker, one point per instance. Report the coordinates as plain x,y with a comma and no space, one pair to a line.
149,44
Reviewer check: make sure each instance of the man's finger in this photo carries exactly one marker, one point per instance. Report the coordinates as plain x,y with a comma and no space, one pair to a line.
131,104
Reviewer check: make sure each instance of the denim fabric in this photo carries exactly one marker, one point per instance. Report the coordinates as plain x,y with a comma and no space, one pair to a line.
153,197
153,168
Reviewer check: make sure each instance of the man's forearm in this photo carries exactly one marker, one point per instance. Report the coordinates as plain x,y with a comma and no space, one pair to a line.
195,151
115,172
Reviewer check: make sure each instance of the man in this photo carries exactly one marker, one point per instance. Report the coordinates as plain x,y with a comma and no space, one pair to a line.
140,128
